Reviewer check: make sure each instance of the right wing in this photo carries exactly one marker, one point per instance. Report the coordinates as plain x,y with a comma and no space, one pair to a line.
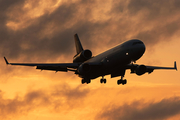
50,66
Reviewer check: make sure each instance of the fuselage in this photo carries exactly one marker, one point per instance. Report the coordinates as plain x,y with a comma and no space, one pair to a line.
115,58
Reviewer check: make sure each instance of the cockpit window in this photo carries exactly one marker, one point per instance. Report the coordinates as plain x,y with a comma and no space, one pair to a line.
139,42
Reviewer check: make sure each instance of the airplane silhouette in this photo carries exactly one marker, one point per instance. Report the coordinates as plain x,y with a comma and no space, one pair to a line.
114,62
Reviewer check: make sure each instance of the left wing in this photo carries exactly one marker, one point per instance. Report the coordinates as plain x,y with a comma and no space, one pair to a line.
129,66
155,67
49,66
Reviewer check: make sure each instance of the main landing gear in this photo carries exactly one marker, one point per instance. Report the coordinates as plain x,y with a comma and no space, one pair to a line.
121,81
85,80
103,80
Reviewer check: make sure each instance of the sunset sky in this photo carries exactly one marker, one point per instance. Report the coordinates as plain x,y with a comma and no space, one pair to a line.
42,31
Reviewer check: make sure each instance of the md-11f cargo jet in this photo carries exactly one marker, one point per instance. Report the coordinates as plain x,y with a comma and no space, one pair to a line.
114,62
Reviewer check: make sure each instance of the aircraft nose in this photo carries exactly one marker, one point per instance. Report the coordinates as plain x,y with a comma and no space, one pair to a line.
139,50
142,49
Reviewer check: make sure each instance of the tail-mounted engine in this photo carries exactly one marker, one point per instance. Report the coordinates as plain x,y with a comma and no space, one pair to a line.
82,56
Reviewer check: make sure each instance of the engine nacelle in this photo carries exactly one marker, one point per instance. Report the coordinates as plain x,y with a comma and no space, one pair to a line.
141,69
82,56
84,68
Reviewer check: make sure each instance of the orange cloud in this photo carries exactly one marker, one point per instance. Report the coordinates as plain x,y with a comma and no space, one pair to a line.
23,16
138,110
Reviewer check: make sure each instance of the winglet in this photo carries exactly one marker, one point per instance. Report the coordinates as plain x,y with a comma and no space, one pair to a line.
175,66
6,61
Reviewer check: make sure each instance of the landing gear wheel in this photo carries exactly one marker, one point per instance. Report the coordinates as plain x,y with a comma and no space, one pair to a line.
83,81
119,81
124,82
88,81
101,81
105,81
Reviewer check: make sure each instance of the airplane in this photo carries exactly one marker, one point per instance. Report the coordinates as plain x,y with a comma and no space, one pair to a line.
114,62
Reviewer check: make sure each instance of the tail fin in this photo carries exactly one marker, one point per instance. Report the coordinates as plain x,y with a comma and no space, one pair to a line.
79,47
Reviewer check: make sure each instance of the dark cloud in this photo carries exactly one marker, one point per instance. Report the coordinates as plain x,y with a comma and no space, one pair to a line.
160,16
56,99
150,21
153,9
44,41
140,110
51,35
73,97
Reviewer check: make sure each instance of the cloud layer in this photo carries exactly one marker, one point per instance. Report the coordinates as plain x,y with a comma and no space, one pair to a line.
31,29
42,31
60,98
139,110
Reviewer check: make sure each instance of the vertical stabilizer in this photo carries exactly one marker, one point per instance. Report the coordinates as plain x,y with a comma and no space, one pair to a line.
79,47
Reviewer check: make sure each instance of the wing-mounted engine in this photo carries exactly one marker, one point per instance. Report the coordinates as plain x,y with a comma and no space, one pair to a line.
82,56
84,68
141,69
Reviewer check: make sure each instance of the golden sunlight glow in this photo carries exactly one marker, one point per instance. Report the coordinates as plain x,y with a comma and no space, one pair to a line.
31,10
28,93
